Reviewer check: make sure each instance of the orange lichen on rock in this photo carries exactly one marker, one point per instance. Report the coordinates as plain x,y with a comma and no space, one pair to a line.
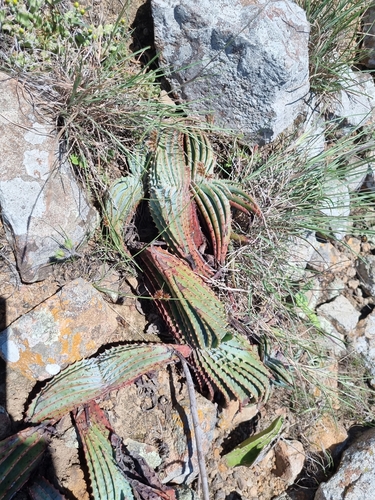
70,325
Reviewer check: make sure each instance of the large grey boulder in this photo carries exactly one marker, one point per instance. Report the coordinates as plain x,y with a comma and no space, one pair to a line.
355,478
45,213
244,62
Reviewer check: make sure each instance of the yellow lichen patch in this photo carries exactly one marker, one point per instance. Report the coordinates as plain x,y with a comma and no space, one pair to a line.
27,362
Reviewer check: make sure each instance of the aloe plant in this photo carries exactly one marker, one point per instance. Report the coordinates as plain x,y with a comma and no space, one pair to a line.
19,456
184,190
191,209
88,379
124,197
234,369
107,480
41,489
192,310
223,360
171,203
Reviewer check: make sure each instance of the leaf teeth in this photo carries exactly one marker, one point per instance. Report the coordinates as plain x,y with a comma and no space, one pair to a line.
19,455
107,480
198,314
234,371
90,378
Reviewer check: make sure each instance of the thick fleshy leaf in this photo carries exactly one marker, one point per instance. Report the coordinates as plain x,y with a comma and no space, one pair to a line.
194,313
123,198
249,450
216,214
41,489
19,455
200,156
237,197
172,204
234,369
89,378
107,480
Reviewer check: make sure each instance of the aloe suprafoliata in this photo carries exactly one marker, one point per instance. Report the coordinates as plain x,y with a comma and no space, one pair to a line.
107,479
223,360
19,456
184,190
124,197
191,208
192,211
90,378
172,205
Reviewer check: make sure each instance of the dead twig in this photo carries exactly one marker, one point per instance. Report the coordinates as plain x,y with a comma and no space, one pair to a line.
197,429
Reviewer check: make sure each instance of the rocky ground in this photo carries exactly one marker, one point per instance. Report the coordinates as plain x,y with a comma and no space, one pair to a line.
152,415
82,305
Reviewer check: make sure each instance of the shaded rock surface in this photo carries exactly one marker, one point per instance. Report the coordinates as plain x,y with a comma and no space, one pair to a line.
369,39
366,273
355,478
290,457
45,213
363,341
246,63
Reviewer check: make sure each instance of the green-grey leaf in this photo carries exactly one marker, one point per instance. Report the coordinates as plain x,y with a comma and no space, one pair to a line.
249,450
89,378
19,455
41,489
107,480
234,369
197,313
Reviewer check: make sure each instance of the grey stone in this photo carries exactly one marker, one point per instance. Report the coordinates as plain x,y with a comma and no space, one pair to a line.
45,213
300,251
332,340
343,315
366,272
334,288
357,175
312,141
72,324
363,342
314,294
186,493
355,478
336,206
289,459
327,258
245,63
146,451
353,106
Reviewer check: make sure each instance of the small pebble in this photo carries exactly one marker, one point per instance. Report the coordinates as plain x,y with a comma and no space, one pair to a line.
353,284
241,483
219,495
351,272
365,247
